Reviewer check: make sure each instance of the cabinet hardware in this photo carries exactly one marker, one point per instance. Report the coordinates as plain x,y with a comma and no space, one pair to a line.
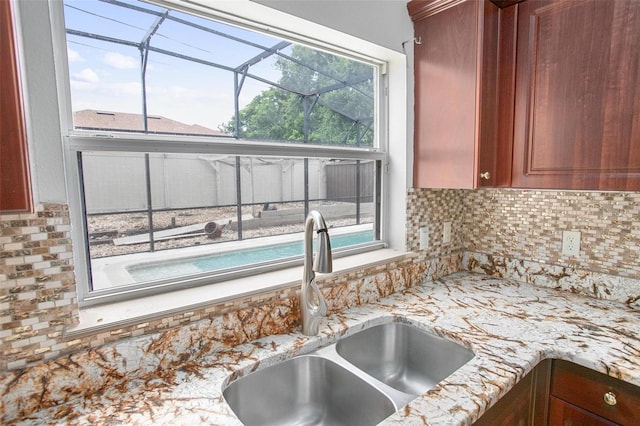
610,398
485,176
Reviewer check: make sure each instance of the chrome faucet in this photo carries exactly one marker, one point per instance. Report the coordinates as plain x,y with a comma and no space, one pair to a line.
312,304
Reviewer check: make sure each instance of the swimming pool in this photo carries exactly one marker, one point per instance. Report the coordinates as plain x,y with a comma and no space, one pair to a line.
219,261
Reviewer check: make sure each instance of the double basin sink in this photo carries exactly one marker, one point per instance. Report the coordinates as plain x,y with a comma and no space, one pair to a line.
359,380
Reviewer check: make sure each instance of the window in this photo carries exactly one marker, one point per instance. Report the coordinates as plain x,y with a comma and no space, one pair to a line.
200,146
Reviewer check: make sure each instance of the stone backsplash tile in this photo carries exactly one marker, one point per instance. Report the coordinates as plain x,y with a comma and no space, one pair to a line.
574,280
431,208
517,234
528,225
37,285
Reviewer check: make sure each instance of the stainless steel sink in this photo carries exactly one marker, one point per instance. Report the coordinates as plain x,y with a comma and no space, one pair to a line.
402,356
306,390
360,380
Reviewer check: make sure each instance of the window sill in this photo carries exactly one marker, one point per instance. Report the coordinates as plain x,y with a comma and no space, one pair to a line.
119,314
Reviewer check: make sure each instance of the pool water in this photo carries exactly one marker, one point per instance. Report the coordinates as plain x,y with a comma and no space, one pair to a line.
214,262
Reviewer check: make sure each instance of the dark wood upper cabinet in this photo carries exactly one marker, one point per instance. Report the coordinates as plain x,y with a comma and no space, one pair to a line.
464,80
505,3
15,191
577,114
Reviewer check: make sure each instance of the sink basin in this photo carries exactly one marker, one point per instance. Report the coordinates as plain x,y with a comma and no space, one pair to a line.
306,390
402,356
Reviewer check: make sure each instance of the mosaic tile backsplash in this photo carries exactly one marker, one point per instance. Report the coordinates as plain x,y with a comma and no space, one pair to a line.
528,225
431,208
37,285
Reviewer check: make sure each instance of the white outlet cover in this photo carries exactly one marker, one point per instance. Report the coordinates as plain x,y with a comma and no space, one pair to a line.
446,233
424,238
571,243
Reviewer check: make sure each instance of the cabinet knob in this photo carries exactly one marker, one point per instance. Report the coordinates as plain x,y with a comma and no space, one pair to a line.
485,176
610,398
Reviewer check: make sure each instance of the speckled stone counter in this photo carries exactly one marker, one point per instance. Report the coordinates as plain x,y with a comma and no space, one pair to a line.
509,326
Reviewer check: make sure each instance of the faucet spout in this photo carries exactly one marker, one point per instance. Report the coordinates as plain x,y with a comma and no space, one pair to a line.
312,303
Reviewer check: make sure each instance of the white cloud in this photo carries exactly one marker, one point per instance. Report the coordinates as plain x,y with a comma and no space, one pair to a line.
186,93
87,75
128,88
120,61
74,56
81,85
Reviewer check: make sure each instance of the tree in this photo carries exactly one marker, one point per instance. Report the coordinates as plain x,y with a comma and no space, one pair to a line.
337,92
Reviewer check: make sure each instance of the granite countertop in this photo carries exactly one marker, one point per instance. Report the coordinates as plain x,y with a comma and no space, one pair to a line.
510,327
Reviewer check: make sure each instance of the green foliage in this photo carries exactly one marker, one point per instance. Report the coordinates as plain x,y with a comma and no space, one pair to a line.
337,91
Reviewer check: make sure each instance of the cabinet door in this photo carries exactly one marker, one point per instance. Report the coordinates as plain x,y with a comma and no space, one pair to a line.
562,413
604,396
577,117
514,409
464,66
445,61
15,194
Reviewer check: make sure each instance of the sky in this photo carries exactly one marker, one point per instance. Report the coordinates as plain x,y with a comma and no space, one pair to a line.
106,76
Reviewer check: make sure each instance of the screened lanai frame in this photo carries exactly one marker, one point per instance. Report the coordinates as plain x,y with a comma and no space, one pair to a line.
82,141
362,121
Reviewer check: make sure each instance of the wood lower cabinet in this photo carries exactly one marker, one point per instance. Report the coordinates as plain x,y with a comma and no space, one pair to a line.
586,397
514,409
458,95
577,111
523,405
564,414
561,393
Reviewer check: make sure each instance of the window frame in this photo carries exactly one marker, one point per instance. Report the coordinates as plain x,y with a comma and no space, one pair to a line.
76,141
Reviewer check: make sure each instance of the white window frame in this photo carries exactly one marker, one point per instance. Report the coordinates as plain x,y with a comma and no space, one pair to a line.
82,141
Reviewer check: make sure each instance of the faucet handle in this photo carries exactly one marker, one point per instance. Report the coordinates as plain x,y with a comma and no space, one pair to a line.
319,309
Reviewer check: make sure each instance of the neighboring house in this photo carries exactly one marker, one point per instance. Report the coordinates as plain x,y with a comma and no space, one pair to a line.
90,119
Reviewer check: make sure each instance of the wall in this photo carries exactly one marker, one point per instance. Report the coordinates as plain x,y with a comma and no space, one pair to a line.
517,234
528,224
383,22
430,209
37,285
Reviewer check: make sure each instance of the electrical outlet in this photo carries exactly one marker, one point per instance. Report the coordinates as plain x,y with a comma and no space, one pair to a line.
424,238
446,233
571,243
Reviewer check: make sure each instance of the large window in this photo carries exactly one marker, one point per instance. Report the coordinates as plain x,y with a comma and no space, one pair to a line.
199,146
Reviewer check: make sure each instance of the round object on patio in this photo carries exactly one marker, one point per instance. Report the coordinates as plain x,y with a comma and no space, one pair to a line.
213,230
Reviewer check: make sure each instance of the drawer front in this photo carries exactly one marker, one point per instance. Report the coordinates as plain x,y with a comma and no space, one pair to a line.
562,413
586,388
